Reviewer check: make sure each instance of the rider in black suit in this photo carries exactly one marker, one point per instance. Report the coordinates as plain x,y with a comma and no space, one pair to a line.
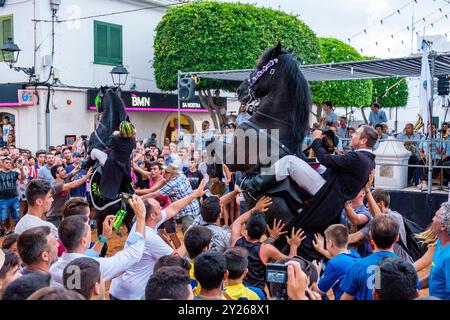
116,173
343,179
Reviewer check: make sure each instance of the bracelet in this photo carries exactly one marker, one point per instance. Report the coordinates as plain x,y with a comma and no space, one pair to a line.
102,239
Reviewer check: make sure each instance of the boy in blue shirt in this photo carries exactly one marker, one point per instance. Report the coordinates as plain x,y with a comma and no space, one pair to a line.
360,281
341,262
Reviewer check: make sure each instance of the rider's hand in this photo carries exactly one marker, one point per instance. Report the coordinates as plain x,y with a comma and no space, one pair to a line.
317,134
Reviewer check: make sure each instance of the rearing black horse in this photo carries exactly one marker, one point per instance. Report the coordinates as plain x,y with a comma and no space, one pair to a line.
279,97
112,109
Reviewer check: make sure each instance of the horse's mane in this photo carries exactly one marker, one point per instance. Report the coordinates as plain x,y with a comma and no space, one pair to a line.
298,90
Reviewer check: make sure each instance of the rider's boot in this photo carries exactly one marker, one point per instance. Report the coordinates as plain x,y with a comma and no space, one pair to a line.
256,183
87,163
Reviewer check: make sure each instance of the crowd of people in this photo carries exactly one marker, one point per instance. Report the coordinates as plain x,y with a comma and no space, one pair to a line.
414,141
193,237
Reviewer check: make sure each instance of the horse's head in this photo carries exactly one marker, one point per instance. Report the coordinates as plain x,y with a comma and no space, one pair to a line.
259,82
278,75
112,109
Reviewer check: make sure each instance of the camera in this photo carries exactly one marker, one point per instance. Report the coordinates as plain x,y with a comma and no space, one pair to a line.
276,273
84,137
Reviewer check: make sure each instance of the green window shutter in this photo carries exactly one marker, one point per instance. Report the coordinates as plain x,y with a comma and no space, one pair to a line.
6,30
116,43
107,43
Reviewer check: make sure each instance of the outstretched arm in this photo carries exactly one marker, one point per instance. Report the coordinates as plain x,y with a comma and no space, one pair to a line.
236,228
176,206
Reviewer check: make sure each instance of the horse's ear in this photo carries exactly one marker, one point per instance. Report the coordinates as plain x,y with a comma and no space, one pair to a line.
277,50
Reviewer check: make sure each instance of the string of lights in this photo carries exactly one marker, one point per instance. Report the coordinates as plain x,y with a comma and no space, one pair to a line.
444,15
118,12
382,20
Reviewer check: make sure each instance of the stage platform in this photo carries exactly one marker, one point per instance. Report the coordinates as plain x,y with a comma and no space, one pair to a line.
417,205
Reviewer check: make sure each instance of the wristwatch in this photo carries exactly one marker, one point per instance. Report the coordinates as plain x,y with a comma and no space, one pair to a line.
102,239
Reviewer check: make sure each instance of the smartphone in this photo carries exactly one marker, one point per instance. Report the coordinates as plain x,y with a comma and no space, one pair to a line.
276,273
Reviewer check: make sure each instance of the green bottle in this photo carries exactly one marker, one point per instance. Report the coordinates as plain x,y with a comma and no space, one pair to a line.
120,215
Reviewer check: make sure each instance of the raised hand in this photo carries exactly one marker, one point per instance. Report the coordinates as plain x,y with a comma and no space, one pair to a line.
263,204
297,281
276,232
138,206
90,173
200,191
108,226
296,237
370,181
319,242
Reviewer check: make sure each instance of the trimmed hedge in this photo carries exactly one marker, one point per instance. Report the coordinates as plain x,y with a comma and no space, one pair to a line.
349,93
208,36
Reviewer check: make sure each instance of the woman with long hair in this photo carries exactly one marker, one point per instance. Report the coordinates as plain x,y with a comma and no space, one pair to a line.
428,238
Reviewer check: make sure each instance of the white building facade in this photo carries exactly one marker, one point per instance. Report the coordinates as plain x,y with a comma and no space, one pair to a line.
90,38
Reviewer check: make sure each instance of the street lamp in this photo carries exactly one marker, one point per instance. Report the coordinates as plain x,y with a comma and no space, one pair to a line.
10,54
119,75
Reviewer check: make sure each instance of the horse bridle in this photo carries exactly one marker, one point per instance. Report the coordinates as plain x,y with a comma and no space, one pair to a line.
253,103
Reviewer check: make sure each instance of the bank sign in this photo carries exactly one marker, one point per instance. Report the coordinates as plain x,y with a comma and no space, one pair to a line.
150,102
25,97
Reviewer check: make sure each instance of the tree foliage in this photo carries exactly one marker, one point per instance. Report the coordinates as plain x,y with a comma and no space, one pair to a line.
349,93
389,92
397,95
208,36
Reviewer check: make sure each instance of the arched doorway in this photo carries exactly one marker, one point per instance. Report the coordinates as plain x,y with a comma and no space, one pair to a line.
187,125
8,122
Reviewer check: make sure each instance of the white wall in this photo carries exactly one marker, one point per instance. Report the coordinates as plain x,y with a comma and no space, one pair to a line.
74,41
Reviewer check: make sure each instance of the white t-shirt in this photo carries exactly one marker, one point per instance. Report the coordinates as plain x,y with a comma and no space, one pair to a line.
7,129
131,284
29,221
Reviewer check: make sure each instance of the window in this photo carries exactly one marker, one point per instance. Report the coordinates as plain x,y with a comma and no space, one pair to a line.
107,43
6,30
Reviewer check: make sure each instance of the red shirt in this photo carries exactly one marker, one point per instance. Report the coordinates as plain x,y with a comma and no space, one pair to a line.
164,201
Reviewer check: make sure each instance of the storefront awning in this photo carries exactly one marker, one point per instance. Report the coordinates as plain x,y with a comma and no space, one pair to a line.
368,69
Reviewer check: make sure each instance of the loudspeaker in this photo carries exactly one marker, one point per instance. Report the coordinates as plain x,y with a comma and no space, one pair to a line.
186,89
443,85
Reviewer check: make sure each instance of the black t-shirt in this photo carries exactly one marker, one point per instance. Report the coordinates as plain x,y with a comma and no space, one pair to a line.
8,182
141,183
194,178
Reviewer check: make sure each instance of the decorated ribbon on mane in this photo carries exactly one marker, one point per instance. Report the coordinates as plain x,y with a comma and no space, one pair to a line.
251,81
